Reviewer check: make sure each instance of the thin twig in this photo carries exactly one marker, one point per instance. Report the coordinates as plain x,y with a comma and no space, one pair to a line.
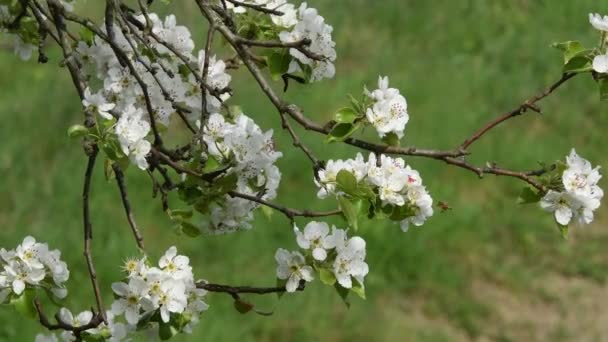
122,186
529,104
88,230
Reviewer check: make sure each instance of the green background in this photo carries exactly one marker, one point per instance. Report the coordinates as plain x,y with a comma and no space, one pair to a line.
489,269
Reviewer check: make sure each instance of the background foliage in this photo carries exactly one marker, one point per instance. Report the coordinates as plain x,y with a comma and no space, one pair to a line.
488,269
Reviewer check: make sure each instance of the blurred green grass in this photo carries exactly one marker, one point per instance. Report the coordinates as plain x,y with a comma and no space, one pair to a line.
458,63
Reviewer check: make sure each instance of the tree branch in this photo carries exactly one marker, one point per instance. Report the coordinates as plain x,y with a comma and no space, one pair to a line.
88,230
529,104
122,186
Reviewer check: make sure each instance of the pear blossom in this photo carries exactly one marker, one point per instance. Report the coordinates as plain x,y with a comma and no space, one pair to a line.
349,263
165,290
600,63
388,113
292,267
79,320
172,298
131,130
175,265
312,26
421,203
132,298
135,267
395,183
581,194
97,103
242,144
599,22
562,204
326,177
32,264
315,238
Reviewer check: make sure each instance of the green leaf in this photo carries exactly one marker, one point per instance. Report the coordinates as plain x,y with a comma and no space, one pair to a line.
278,63
211,165
77,131
349,211
166,330
346,181
341,132
87,36
345,115
225,184
190,229
189,194
267,211
24,304
343,293
108,171
603,84
578,64
180,213
391,139
570,49
528,196
356,104
358,289
242,306
327,277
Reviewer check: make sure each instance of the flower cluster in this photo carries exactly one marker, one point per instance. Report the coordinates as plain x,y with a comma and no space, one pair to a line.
170,85
600,62
296,25
251,155
343,257
162,293
32,265
580,194
310,25
388,112
395,184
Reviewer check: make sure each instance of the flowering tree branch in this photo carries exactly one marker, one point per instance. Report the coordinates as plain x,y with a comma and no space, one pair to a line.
134,71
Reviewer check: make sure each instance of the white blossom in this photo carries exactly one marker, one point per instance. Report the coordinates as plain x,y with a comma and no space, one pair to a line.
350,263
178,266
312,26
251,153
97,103
132,298
315,238
292,267
600,63
395,183
32,264
581,195
388,113
79,320
599,22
